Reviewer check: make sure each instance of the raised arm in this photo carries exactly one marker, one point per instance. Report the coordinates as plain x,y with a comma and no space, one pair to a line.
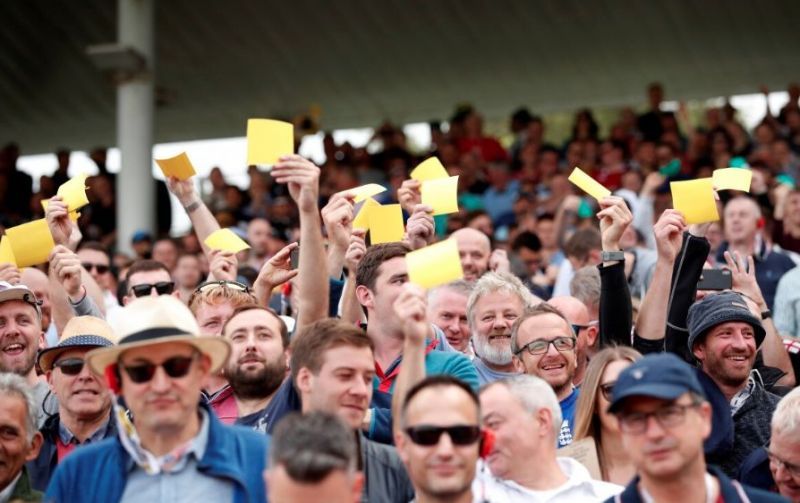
302,178
351,309
420,227
615,298
338,218
203,222
275,272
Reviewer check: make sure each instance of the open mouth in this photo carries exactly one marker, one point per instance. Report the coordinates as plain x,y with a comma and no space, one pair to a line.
499,337
14,349
86,392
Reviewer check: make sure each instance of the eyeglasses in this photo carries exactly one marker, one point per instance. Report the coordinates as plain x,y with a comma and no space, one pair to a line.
70,366
793,469
177,366
210,285
429,435
100,268
540,346
670,416
162,288
577,328
606,389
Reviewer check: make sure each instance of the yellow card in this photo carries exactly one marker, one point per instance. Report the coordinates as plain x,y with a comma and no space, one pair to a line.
226,240
695,199
74,192
441,195
429,169
361,221
365,191
6,254
179,166
588,184
31,243
386,224
267,140
732,179
435,265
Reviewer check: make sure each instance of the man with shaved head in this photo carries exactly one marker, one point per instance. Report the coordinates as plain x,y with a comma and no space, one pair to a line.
474,249
584,327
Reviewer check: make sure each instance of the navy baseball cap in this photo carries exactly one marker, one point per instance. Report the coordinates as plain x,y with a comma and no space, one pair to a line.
662,375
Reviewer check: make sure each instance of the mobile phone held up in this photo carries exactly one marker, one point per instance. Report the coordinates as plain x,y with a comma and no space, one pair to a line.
715,279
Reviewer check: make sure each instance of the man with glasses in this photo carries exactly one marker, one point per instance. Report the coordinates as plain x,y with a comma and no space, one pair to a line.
95,259
585,329
664,418
544,346
170,448
84,400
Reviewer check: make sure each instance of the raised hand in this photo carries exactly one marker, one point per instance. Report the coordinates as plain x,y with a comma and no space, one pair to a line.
337,216
410,307
743,277
302,177
498,262
183,189
409,195
668,231
65,232
614,217
278,269
420,227
9,273
356,250
67,267
222,265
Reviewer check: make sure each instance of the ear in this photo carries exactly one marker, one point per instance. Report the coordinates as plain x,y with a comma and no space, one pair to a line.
126,300
400,445
545,421
519,365
595,256
205,365
699,352
365,297
36,444
49,376
591,336
304,381
705,413
177,294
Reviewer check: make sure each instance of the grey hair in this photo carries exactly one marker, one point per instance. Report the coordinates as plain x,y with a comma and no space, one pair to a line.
533,393
492,282
14,385
311,446
585,286
786,418
460,286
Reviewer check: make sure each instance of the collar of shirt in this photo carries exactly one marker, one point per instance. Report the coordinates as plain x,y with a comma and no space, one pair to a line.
67,437
741,397
5,494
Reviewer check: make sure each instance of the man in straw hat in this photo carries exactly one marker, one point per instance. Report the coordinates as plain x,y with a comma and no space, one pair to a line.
173,449
84,400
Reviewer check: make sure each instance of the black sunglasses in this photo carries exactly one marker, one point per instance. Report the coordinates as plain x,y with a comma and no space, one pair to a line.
430,435
177,366
70,366
100,268
162,288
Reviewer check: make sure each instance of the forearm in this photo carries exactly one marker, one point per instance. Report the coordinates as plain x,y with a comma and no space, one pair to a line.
335,261
86,307
203,222
312,276
94,292
412,371
775,354
615,306
352,311
652,319
686,273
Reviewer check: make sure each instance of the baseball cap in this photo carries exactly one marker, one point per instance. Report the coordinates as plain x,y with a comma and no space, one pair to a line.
20,292
663,376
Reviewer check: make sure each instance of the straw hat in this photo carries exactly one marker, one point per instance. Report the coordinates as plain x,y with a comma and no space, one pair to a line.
157,320
86,332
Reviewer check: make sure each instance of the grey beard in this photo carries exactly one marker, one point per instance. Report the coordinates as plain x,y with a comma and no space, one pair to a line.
492,354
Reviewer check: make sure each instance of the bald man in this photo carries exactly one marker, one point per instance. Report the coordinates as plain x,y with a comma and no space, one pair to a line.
476,254
585,328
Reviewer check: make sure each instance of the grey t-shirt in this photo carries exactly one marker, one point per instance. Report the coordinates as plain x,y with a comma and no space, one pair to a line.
487,375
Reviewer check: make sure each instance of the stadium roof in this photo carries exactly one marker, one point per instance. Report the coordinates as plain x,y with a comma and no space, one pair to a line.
364,61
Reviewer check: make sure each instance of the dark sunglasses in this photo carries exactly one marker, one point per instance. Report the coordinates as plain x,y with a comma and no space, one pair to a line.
70,366
430,435
100,268
606,389
177,366
162,288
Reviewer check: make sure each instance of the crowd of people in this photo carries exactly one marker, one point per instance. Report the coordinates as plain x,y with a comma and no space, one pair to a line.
580,358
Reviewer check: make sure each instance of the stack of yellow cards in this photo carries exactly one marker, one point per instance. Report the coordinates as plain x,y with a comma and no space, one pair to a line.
179,166
435,265
268,140
226,240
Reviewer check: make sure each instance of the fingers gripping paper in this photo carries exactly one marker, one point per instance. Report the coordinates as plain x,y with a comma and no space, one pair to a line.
732,179
179,166
588,184
267,140
435,265
695,199
429,169
31,243
226,240
386,224
441,195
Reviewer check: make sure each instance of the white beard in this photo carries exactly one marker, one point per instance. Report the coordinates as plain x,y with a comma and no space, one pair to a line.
492,353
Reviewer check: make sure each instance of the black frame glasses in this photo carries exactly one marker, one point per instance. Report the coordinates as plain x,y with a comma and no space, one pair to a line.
429,435
70,366
100,268
540,346
175,367
668,416
162,288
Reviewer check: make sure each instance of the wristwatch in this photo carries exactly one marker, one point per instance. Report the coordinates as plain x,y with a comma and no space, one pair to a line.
766,314
613,256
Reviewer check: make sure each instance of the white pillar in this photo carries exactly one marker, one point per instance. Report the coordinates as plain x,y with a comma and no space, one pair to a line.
136,202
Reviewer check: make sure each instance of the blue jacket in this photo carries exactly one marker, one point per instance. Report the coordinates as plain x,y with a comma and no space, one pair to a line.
97,473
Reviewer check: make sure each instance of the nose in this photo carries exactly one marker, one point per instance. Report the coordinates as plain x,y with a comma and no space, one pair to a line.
160,381
653,428
551,350
359,388
445,447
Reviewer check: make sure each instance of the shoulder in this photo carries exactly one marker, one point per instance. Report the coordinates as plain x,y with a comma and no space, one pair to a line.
456,364
92,462
383,454
762,496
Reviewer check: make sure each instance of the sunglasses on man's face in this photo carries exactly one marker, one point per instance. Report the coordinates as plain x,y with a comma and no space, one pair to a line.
162,288
69,366
177,366
429,435
100,268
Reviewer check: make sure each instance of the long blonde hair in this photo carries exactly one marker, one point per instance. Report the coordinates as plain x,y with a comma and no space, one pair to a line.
587,418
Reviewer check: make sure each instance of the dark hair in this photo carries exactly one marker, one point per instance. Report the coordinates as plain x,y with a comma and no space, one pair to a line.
309,345
145,265
367,271
527,240
94,245
269,310
582,242
438,381
538,310
311,446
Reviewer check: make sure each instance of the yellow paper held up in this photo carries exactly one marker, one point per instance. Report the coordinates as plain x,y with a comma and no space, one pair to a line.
226,240
363,192
695,199
435,265
74,193
429,169
441,195
386,224
267,140
361,221
179,166
31,243
732,179
588,184
6,254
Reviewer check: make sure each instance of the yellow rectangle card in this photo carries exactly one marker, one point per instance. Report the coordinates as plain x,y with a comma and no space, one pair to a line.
386,224
695,199
361,221
588,184
429,169
31,243
363,192
6,254
435,265
226,240
732,179
268,140
179,166
441,195
74,192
